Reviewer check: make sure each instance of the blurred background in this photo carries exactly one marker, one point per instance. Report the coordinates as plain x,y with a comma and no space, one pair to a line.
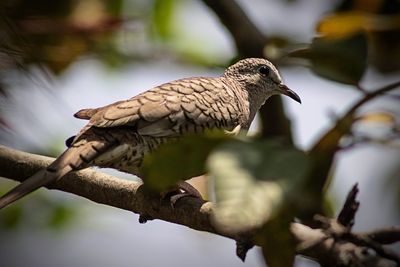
59,57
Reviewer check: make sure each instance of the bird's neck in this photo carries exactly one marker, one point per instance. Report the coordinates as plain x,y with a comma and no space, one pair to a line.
249,102
256,98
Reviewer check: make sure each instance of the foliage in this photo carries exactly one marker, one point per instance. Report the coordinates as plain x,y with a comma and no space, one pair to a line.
57,214
176,161
342,59
52,35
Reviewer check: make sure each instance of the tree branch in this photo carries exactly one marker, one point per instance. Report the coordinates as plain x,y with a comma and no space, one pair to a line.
384,236
249,40
350,207
191,212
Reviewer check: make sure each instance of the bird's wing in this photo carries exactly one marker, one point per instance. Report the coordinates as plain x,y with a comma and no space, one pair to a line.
171,108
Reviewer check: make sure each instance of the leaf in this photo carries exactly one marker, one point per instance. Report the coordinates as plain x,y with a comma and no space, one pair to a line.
383,31
11,217
278,246
163,13
60,216
348,23
252,181
55,36
258,185
343,24
322,158
179,160
377,117
342,59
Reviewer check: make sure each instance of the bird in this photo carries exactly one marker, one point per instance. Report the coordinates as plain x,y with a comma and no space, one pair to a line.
120,134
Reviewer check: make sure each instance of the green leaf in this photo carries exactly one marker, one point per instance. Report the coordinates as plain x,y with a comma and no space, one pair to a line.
179,160
60,216
277,243
341,59
253,180
163,14
11,217
115,7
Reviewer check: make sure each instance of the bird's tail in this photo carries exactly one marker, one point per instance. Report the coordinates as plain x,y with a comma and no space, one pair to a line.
77,157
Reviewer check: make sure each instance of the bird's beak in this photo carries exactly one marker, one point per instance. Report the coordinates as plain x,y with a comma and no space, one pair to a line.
290,93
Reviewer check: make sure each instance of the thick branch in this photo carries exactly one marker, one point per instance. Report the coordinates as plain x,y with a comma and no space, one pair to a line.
193,213
249,40
108,190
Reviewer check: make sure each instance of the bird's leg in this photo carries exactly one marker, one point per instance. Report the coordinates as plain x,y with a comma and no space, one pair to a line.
149,198
182,189
242,247
143,218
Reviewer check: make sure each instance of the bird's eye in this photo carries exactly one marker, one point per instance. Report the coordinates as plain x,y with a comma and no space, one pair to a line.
264,70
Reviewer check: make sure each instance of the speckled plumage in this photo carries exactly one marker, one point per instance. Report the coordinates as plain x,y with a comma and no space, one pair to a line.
120,134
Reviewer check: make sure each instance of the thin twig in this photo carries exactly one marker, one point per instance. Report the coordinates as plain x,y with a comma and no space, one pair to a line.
350,207
372,95
384,236
346,218
379,248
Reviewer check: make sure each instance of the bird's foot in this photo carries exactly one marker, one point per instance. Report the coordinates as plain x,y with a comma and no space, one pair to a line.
242,247
183,189
143,218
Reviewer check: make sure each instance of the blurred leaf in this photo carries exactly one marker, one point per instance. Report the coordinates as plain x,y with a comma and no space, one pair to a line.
342,24
274,49
329,207
253,180
329,141
67,50
163,13
377,117
278,246
39,210
348,23
42,33
258,184
176,161
322,158
385,49
11,217
111,56
339,59
383,34
60,216
371,6
115,7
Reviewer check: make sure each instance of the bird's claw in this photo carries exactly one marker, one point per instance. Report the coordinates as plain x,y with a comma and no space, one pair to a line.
143,218
184,189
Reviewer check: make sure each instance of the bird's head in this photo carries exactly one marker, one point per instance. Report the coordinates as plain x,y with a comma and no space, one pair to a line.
260,78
